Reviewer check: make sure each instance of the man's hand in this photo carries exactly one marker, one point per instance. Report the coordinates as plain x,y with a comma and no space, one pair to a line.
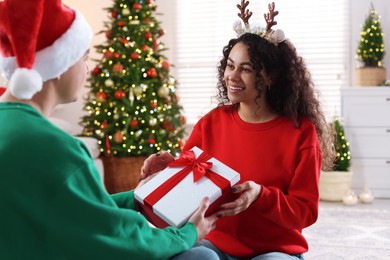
203,224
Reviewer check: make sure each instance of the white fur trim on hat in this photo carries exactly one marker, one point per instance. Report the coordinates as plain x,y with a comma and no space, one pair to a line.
25,83
61,55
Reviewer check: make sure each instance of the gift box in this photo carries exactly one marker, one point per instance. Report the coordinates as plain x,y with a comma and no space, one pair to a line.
174,194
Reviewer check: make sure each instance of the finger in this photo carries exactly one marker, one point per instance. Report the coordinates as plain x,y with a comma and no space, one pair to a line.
227,212
203,206
238,188
232,205
213,218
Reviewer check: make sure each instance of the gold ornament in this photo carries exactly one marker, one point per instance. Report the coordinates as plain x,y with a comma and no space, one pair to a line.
138,90
109,83
153,121
163,92
126,12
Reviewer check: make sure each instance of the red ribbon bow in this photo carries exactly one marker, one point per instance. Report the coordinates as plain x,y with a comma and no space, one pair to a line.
199,166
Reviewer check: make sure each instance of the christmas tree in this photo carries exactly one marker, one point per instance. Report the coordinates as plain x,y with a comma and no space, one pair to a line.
132,104
343,155
371,49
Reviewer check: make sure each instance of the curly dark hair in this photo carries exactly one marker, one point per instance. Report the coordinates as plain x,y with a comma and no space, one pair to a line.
291,93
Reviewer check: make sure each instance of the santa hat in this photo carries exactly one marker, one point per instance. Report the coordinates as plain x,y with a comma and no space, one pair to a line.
39,40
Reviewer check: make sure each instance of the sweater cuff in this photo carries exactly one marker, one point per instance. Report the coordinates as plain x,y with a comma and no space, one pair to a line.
124,199
189,230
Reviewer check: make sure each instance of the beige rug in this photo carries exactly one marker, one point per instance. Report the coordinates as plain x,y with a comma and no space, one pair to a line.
349,233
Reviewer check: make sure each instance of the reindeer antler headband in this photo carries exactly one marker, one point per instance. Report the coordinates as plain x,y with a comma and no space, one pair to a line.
270,35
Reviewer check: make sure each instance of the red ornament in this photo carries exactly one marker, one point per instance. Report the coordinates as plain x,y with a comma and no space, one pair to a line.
156,44
133,123
124,41
108,34
101,96
108,54
148,35
137,6
165,65
116,55
114,14
118,137
145,47
149,2
104,125
119,94
134,56
152,73
121,23
153,104
117,68
151,140
108,146
147,20
161,32
175,99
96,71
168,126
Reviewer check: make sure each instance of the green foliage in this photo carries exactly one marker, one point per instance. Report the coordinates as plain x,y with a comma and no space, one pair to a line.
132,106
343,155
371,49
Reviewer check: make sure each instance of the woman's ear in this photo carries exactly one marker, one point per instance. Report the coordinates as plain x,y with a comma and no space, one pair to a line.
267,78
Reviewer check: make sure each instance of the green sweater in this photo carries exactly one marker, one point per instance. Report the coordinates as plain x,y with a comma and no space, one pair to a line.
54,206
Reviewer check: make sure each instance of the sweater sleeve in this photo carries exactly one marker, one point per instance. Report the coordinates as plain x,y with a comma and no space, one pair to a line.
124,199
298,207
85,223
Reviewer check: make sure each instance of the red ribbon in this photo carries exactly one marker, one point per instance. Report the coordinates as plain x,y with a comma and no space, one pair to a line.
199,166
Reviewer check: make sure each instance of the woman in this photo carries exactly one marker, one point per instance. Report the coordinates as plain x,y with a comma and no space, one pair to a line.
269,127
54,205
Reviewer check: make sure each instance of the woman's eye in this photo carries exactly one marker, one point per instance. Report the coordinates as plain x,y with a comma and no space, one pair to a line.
230,66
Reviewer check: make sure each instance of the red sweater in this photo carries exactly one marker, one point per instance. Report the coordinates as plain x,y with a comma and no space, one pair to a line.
285,160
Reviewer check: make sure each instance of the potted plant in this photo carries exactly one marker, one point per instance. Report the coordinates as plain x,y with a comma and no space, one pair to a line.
336,181
370,52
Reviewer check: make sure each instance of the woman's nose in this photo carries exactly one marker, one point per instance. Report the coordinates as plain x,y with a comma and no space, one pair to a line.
234,74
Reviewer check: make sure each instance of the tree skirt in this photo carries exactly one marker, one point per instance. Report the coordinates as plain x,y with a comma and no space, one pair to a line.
349,233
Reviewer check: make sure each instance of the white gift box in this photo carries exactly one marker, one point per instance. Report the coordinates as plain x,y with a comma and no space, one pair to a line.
175,205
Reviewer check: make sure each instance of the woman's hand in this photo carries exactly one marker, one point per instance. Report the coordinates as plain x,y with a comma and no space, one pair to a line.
249,190
203,224
155,163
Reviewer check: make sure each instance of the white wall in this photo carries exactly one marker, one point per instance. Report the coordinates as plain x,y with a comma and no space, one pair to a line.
95,15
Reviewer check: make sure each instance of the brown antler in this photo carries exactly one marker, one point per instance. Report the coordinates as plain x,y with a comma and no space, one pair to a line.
244,14
269,17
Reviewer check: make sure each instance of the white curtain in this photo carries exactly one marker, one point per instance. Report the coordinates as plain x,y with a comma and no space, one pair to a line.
319,29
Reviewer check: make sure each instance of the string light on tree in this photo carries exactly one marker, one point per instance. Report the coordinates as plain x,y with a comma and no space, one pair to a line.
343,155
371,49
132,105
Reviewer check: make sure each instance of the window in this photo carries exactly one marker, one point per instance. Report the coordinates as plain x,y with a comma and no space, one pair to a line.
319,30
